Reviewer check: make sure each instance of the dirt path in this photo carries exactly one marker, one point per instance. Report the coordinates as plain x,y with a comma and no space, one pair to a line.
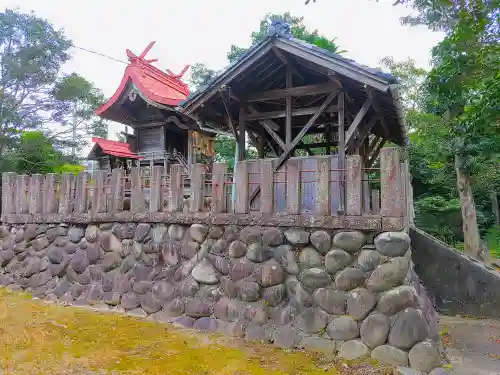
473,346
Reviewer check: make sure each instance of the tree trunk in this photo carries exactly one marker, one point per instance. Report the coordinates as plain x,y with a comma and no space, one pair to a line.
495,209
472,240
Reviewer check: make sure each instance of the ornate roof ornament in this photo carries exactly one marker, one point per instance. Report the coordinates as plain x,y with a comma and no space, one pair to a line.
279,28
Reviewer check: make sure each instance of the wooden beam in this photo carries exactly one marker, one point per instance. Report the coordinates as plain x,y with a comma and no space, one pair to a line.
230,123
241,135
286,153
255,115
357,120
287,62
341,147
307,90
288,118
271,124
374,154
380,112
363,132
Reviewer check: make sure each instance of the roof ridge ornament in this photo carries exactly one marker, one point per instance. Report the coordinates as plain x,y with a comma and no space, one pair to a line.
279,28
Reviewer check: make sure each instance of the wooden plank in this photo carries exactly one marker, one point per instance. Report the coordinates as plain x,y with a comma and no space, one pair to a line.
357,120
241,134
341,148
322,88
197,187
266,186
176,188
137,198
391,184
22,183
80,206
323,185
8,193
155,197
293,187
284,156
219,171
241,204
375,202
99,192
255,116
49,194
288,118
65,194
117,189
36,194
354,176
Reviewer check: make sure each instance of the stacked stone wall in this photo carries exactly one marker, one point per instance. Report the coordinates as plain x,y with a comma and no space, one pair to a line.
345,293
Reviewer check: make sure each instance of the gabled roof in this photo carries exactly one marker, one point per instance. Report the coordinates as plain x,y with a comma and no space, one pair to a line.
157,86
113,148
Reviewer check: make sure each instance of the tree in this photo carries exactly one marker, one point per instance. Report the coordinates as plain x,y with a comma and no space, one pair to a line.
201,74
33,95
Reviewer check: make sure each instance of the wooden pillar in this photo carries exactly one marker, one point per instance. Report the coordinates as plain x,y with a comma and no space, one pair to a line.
288,119
190,148
241,204
35,194
155,197
8,193
241,135
293,182
219,171
323,166
81,193
354,175
341,147
117,189
266,186
197,187
137,198
261,146
176,188
22,182
49,194
391,184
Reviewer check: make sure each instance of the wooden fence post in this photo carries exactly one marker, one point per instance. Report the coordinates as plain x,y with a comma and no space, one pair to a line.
50,195
137,199
22,183
176,188
266,186
241,204
36,194
155,197
117,189
293,186
8,193
81,193
99,197
219,171
353,185
65,194
323,191
375,202
391,183
197,187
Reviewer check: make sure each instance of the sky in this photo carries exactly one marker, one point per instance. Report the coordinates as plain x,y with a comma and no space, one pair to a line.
191,31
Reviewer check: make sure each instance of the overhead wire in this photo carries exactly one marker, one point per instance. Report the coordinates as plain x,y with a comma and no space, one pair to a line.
100,54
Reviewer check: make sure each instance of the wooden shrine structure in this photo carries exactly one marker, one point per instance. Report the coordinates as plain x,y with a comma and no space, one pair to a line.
146,101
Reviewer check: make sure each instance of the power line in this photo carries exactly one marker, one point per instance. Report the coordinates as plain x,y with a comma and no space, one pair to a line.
100,54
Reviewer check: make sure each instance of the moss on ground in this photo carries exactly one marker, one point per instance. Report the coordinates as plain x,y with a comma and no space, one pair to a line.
36,338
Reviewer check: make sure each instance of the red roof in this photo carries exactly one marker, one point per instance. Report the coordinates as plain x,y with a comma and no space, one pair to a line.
115,148
158,86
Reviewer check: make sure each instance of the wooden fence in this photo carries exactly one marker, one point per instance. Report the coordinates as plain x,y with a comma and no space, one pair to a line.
313,185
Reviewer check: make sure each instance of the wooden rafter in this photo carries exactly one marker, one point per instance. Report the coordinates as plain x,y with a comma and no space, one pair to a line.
375,152
295,112
307,90
363,131
286,153
357,120
225,101
287,62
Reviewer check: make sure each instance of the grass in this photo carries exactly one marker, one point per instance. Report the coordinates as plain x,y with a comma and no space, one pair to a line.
37,338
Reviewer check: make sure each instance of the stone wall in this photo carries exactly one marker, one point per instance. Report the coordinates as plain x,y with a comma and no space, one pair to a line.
458,284
346,293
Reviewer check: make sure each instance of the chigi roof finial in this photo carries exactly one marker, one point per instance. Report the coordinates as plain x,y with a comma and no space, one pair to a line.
279,28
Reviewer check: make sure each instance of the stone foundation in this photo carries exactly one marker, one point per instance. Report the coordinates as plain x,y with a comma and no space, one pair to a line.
345,293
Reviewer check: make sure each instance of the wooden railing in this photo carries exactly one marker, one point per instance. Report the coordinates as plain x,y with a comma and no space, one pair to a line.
311,186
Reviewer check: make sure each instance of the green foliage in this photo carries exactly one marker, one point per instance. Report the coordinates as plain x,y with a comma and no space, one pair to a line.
225,149
493,240
201,74
298,30
69,168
